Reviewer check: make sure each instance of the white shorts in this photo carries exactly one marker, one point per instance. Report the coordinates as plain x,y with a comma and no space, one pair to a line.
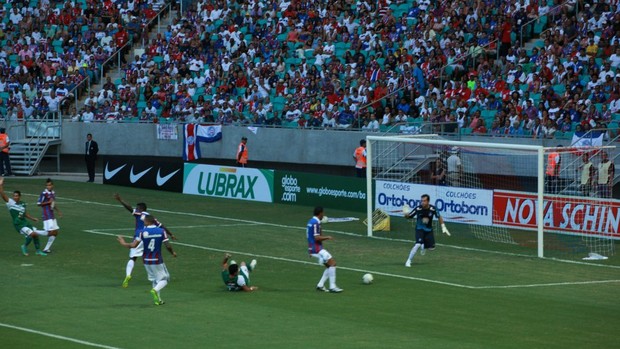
323,256
157,272
50,225
138,251
25,231
244,269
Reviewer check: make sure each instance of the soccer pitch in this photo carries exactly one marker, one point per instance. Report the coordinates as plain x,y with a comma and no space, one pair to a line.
453,297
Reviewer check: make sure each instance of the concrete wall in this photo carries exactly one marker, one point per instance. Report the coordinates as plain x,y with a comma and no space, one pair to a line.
267,145
330,151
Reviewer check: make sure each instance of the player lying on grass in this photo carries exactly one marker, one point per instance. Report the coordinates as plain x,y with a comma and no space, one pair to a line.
152,237
19,216
424,237
138,213
237,277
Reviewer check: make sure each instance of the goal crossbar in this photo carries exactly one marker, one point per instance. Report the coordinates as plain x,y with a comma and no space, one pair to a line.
540,158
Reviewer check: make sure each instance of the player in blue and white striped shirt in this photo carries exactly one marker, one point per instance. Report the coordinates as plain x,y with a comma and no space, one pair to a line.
315,249
139,213
47,201
152,237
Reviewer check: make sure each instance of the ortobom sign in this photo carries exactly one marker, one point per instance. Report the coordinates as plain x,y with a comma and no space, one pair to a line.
463,205
228,182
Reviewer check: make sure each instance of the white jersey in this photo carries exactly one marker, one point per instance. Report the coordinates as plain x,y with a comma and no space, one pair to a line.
454,163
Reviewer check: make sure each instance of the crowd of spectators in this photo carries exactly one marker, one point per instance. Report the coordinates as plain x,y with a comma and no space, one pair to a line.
375,64
50,47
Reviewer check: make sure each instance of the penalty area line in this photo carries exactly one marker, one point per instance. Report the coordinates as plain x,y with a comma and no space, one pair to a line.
46,334
375,272
251,222
282,259
180,227
568,283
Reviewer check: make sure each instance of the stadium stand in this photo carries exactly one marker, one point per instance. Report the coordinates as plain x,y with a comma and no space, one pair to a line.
50,49
337,63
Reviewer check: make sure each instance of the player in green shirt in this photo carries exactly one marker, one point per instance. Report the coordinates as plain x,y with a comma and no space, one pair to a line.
237,278
17,209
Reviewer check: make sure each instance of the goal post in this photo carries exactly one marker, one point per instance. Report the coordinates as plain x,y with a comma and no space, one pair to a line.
521,199
393,160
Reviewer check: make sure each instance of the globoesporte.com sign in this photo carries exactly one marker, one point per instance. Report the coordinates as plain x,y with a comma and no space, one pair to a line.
143,173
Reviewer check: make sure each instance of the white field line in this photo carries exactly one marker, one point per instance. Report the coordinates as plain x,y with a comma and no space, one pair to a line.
298,261
250,222
68,339
100,232
569,283
183,226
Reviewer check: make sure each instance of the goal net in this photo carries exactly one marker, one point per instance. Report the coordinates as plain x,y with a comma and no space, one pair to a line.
494,196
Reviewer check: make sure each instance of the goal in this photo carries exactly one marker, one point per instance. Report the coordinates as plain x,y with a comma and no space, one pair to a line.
494,196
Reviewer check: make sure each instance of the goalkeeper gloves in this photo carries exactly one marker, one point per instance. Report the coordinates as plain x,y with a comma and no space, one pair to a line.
444,229
406,210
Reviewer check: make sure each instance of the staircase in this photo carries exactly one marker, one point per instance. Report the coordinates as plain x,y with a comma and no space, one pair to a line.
401,162
30,143
27,153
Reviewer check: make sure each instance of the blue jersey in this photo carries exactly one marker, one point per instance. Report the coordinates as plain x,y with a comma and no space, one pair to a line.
424,217
139,216
152,238
45,201
314,230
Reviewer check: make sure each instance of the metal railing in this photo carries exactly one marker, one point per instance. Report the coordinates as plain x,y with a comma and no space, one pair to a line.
484,49
116,55
77,91
166,10
555,8
527,24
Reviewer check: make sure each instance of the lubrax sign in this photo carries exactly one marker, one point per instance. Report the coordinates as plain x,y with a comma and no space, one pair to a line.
143,173
229,182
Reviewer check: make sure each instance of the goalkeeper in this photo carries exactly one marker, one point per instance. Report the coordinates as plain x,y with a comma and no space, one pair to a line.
424,226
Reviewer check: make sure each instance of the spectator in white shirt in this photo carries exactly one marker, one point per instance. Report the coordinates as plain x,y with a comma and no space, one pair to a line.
615,58
88,115
373,124
15,16
53,102
91,100
387,117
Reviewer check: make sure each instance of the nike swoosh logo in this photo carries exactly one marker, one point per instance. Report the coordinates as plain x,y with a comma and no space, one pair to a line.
162,180
109,174
134,177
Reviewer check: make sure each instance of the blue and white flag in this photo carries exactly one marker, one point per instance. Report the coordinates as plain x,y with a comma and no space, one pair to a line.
194,133
584,139
209,134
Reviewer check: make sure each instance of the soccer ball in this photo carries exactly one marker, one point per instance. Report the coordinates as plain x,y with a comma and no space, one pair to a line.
325,220
232,261
367,279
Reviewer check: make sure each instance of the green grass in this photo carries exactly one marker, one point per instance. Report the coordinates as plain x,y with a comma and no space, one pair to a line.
458,296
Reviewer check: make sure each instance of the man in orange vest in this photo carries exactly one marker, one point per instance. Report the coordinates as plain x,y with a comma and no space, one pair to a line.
552,172
5,162
360,159
242,152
